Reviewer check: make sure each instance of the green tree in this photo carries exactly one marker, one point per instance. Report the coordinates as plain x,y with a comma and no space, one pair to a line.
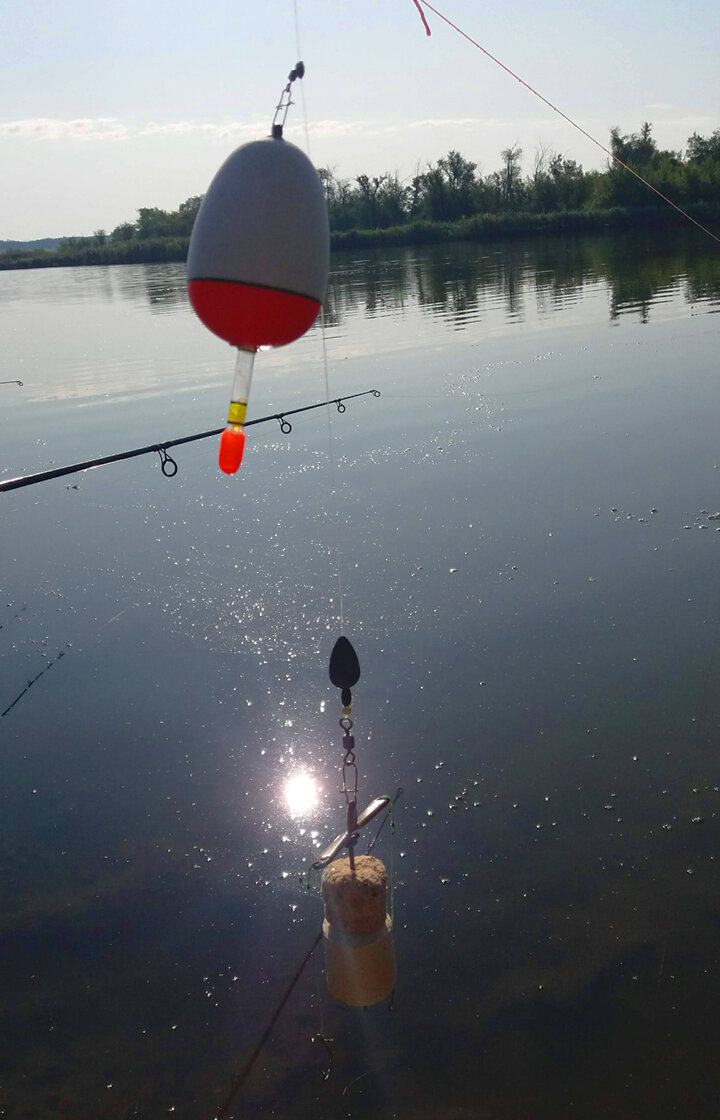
186,215
509,178
638,149
153,222
702,149
124,232
459,176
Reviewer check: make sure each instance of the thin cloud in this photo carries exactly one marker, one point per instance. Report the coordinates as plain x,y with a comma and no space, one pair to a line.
222,129
110,128
450,122
262,128
83,128
239,130
348,128
687,122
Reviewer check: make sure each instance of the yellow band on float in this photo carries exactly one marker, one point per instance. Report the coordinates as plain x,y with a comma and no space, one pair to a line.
237,412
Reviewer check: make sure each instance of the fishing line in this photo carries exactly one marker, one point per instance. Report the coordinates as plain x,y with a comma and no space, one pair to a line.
560,113
297,30
335,517
68,646
302,84
31,682
13,618
320,1037
244,1073
334,512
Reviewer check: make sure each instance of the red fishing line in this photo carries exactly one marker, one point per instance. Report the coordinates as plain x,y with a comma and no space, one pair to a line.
560,113
422,17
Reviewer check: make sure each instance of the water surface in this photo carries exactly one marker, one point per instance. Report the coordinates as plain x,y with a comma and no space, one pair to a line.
528,550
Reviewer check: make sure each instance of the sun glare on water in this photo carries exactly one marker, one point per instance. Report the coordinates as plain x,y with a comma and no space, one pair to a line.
301,794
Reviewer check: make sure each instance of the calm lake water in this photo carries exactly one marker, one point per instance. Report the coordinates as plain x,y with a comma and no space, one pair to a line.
528,547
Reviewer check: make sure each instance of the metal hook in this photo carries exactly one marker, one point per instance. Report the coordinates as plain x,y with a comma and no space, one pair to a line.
168,466
327,1044
285,425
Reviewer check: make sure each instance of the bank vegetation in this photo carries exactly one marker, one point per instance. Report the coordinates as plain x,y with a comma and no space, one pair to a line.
452,200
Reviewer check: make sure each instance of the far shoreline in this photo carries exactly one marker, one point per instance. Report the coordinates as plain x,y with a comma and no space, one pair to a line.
478,227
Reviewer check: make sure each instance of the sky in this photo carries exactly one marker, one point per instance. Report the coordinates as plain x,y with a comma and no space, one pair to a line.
106,108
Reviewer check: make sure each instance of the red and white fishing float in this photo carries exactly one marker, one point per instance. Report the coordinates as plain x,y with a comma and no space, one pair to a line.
259,258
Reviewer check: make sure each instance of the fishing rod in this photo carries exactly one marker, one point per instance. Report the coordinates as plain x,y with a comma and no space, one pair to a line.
168,465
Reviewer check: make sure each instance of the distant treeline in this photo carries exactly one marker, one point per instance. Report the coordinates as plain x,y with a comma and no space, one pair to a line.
30,246
156,235
453,189
452,200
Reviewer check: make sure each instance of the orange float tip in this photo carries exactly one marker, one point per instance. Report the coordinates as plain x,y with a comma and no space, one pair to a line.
232,445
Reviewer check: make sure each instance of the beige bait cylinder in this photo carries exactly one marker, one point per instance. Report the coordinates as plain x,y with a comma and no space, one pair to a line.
357,932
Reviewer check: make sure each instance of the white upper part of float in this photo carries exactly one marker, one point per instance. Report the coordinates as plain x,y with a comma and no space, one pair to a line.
264,221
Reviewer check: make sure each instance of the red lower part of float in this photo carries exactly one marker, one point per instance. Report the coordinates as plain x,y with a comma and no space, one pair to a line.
249,316
232,445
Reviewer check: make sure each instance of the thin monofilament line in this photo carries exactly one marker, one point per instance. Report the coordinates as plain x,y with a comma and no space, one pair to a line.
565,117
302,84
334,513
297,29
239,1081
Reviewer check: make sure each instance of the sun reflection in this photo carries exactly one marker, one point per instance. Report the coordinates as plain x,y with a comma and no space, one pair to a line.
301,794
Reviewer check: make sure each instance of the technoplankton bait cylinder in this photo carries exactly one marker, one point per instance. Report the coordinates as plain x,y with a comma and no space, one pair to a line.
357,932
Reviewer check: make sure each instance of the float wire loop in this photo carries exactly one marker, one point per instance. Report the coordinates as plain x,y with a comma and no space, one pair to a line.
283,106
563,115
242,1076
388,815
391,878
166,462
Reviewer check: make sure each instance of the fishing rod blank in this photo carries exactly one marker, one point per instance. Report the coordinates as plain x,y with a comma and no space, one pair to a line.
168,464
